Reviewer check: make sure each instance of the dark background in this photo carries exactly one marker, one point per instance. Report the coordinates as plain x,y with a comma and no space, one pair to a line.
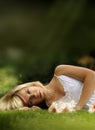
36,36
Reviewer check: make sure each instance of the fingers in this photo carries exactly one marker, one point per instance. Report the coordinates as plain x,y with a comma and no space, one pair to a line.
35,108
23,108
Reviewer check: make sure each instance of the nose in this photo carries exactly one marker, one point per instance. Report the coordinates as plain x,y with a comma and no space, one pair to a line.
35,95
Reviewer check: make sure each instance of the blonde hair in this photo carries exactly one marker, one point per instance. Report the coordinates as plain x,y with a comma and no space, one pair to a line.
11,100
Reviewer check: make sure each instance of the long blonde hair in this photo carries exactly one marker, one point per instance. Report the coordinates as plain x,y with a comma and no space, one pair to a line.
11,100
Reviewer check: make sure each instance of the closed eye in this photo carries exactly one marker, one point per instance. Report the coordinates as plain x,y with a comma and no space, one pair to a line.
28,91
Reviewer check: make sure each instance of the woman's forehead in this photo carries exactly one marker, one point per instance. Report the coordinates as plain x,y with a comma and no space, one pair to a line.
30,87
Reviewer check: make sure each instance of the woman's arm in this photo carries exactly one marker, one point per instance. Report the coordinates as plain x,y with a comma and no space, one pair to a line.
85,75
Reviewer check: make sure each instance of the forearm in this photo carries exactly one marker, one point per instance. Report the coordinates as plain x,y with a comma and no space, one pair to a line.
76,72
88,89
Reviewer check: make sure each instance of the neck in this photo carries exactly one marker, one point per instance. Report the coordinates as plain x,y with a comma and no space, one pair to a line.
49,95
54,91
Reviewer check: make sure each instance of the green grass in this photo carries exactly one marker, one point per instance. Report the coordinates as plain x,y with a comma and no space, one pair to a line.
8,79
43,120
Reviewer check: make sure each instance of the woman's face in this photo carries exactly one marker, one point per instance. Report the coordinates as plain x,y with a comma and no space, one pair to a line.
32,95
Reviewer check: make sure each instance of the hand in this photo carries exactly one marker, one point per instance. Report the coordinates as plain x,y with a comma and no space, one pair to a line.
23,108
29,108
35,108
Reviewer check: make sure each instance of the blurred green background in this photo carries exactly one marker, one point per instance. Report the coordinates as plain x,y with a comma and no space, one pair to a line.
36,36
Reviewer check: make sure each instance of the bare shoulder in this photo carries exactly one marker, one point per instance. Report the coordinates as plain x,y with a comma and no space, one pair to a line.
73,71
71,68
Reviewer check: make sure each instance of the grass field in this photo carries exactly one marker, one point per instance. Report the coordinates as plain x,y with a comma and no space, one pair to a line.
43,120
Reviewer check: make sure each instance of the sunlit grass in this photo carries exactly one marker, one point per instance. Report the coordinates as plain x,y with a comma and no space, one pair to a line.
43,120
8,79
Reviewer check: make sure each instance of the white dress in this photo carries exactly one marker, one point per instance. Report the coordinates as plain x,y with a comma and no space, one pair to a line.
73,89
